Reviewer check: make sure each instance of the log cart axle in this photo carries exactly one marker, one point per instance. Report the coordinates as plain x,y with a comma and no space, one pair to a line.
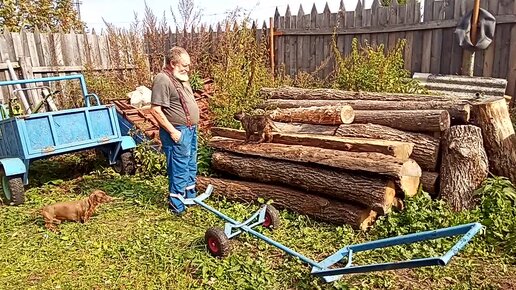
218,242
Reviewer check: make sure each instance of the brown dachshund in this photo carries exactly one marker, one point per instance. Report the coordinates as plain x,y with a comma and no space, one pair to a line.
77,210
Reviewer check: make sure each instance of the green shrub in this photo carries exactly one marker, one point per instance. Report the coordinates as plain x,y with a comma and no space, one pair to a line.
196,81
496,210
370,69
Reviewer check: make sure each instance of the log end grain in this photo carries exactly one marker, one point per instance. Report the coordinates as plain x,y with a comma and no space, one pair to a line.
410,178
388,201
367,219
347,115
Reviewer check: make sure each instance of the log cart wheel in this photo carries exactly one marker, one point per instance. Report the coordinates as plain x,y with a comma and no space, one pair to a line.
272,219
125,163
13,192
218,243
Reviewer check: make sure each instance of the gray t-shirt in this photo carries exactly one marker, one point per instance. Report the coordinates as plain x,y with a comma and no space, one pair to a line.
164,94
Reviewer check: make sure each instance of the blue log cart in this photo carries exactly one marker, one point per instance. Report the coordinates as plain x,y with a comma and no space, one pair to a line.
341,262
28,137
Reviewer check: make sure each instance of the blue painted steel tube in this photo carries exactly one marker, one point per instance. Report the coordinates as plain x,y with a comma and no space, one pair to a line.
476,227
417,237
257,234
80,77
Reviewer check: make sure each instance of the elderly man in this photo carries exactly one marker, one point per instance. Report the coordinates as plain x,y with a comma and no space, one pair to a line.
174,106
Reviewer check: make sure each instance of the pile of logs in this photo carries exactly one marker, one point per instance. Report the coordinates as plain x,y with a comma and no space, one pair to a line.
348,157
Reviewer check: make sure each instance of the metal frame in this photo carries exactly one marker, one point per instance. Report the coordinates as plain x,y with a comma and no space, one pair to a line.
109,138
323,269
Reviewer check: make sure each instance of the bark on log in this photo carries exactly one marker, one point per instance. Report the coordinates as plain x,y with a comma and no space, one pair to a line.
464,165
306,128
318,207
498,136
374,193
400,150
430,180
459,110
426,148
405,173
412,120
330,115
335,94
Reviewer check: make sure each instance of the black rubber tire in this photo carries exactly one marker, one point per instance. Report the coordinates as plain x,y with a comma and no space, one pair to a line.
125,163
15,186
272,217
217,242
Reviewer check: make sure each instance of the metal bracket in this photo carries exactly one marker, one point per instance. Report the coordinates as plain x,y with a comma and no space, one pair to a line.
330,275
259,216
201,197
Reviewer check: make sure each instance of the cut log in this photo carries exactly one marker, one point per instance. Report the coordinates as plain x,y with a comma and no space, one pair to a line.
426,148
293,93
412,120
374,193
464,165
318,207
400,150
405,173
429,181
498,136
330,115
459,110
306,128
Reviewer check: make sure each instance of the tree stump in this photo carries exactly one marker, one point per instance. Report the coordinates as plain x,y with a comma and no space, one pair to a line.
464,165
498,136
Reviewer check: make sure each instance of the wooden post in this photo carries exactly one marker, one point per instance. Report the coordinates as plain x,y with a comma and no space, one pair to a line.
14,77
272,44
468,60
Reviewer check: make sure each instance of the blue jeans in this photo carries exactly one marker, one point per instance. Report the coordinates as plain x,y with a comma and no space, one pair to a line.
181,165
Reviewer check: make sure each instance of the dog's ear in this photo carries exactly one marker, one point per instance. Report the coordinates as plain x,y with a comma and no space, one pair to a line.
96,196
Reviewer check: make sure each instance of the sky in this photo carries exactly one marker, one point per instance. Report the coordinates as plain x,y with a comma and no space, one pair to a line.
121,13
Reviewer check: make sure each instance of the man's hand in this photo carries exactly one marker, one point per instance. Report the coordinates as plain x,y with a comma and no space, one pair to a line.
165,124
176,135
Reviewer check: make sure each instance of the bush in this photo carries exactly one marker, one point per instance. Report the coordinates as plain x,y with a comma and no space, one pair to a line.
370,69
496,210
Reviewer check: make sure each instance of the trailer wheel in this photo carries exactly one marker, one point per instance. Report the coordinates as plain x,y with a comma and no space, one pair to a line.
217,242
125,163
12,188
272,218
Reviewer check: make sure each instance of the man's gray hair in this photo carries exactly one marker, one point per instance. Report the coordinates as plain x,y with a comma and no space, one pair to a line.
174,54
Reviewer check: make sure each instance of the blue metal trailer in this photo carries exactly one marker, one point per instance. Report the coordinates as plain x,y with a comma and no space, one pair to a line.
26,138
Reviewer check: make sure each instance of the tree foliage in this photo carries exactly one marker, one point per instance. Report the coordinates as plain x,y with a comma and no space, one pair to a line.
52,15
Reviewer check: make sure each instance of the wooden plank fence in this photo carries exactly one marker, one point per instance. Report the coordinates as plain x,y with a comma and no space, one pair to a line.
36,54
432,46
302,40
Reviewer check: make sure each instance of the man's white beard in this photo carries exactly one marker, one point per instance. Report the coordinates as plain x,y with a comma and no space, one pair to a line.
180,76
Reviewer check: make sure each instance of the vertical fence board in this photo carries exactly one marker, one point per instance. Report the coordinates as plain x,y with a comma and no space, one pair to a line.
437,38
287,40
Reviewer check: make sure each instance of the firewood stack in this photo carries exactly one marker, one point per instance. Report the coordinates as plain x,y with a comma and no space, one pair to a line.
347,157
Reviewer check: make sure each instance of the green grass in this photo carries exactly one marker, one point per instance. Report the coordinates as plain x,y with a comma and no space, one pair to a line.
134,243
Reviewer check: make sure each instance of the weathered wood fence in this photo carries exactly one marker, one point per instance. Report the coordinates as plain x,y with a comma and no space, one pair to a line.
303,41
37,54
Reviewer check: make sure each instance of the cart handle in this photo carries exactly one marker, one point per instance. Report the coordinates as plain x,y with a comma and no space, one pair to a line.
80,77
87,99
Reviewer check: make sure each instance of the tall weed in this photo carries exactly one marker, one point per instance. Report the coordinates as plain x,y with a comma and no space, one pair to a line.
240,72
368,68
